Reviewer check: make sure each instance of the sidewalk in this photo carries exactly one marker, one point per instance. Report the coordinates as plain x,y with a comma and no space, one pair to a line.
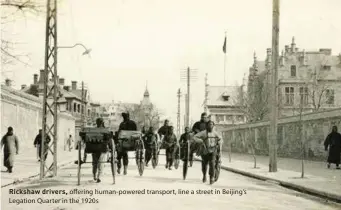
26,164
318,180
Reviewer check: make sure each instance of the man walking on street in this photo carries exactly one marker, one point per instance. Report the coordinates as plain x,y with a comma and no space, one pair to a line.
126,125
11,146
171,145
333,141
150,140
38,141
69,142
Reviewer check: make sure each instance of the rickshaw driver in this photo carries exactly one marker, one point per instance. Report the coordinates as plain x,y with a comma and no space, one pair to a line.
198,127
98,157
184,138
149,140
171,145
209,143
126,125
164,129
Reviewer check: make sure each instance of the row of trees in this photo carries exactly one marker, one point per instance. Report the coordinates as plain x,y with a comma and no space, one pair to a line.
145,116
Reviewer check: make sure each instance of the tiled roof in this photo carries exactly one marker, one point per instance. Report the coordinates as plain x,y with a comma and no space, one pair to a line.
215,95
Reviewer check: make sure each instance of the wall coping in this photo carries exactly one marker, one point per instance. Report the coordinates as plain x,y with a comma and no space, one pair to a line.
14,94
332,113
19,93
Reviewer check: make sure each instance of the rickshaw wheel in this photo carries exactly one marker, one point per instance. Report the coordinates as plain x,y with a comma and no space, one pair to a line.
112,163
185,169
140,157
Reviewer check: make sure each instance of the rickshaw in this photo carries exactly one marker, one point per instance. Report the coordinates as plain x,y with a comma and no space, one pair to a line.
185,157
96,140
176,153
132,141
155,153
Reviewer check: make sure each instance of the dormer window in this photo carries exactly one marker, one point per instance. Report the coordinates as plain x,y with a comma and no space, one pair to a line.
225,96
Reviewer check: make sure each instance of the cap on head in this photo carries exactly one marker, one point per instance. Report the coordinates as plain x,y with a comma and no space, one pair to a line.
10,129
204,114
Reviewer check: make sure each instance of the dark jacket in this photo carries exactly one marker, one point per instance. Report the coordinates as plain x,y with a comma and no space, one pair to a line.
128,125
333,141
37,140
163,130
184,138
199,126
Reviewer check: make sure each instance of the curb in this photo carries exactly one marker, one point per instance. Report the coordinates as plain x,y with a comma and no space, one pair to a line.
22,180
296,187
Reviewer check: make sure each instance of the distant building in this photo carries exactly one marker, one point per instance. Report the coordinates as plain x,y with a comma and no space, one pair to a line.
224,105
307,79
69,99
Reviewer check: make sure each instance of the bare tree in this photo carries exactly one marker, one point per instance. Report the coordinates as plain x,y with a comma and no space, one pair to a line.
13,10
254,101
144,116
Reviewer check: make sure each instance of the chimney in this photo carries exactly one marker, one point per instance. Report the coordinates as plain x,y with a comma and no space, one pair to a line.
74,85
62,81
23,87
8,82
41,77
35,79
282,59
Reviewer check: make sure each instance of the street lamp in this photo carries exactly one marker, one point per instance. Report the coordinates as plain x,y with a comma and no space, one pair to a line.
86,52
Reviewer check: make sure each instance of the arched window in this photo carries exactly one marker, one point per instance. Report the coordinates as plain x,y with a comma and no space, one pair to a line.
74,107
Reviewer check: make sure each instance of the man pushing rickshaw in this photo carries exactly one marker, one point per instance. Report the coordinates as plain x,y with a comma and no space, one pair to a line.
122,153
208,144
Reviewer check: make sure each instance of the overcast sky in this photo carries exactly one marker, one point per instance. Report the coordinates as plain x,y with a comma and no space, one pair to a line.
153,40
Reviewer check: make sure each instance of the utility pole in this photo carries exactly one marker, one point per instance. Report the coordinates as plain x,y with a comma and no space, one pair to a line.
83,107
188,76
206,93
50,94
178,114
274,89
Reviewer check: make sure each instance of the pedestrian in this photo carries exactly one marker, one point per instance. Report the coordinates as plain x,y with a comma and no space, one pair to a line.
69,142
164,129
184,139
11,146
333,141
210,142
37,143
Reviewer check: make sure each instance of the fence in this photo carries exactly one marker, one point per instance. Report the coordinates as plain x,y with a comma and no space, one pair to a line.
254,137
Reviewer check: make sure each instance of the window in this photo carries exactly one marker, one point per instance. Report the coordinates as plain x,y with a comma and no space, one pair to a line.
78,108
326,67
82,109
74,107
293,71
89,112
220,118
289,96
329,96
304,95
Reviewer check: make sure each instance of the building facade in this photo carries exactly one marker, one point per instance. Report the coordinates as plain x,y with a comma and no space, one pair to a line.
224,105
308,81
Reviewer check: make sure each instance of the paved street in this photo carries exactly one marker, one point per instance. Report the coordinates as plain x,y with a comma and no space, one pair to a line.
259,194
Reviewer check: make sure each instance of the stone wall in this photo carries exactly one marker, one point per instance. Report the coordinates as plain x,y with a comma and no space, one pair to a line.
292,143
24,113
